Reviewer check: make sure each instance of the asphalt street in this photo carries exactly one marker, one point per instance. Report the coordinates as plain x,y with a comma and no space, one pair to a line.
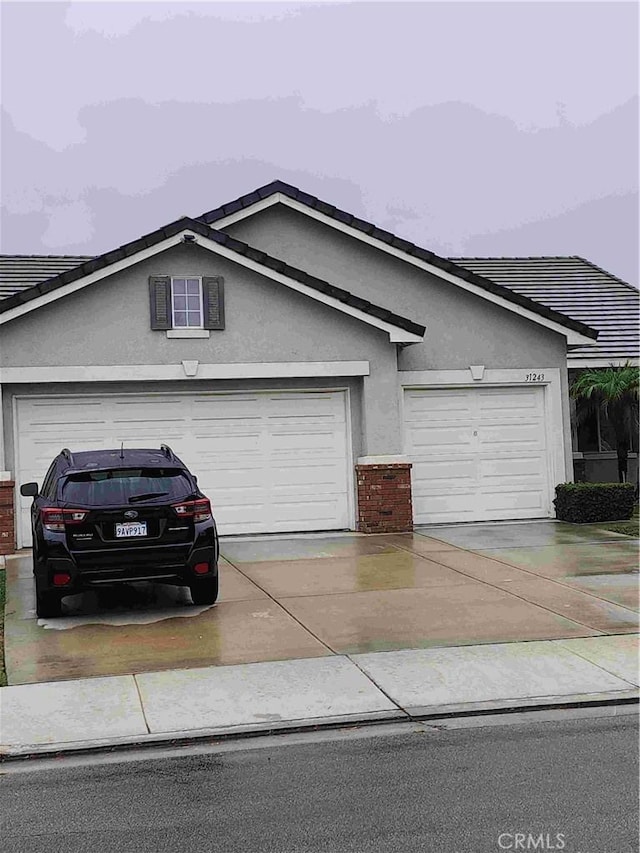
567,785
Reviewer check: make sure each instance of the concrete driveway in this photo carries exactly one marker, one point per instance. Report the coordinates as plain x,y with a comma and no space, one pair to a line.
314,596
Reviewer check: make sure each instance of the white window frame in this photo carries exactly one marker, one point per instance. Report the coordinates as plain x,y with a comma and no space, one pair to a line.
198,278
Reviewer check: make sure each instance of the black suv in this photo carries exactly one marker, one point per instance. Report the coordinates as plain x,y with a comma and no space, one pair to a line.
115,516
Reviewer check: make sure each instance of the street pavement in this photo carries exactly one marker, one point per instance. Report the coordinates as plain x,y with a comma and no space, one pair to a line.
330,630
568,785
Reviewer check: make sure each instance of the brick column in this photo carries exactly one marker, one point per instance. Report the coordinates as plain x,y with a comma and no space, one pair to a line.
384,498
7,524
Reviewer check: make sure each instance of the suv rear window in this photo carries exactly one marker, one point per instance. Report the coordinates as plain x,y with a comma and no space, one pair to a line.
106,488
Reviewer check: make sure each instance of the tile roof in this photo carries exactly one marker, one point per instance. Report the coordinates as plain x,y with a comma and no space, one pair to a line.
245,201
33,291
578,288
18,272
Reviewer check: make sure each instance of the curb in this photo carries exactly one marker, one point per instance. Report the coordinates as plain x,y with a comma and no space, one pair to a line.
417,715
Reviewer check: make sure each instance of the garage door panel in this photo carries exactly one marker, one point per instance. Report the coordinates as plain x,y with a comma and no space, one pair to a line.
437,472
491,464
512,437
268,461
512,500
452,401
438,508
226,446
515,402
441,439
308,515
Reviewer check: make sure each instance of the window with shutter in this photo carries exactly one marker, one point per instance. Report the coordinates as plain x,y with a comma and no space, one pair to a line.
182,305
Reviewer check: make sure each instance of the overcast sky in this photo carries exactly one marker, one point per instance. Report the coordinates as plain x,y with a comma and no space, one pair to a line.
473,128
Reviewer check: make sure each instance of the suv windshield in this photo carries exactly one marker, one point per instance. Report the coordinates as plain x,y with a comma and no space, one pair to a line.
122,485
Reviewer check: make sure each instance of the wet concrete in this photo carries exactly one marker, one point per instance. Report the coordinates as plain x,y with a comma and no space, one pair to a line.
142,627
311,548
478,537
396,570
316,596
422,618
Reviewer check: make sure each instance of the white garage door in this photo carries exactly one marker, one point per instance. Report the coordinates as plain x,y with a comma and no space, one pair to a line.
478,454
268,461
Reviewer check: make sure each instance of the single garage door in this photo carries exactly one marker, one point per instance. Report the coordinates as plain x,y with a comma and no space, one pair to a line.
268,461
478,454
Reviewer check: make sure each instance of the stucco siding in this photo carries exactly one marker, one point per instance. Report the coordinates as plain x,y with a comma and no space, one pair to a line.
462,328
108,322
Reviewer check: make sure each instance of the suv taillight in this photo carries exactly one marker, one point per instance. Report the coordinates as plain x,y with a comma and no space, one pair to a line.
57,519
199,510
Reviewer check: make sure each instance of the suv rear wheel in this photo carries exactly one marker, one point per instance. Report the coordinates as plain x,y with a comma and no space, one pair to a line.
204,591
48,604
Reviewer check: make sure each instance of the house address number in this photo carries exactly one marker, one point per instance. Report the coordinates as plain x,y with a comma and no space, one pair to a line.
534,377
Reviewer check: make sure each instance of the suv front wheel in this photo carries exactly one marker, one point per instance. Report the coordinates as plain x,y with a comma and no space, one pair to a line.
204,591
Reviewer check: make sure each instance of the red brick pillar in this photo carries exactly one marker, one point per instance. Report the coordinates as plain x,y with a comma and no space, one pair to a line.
7,524
384,498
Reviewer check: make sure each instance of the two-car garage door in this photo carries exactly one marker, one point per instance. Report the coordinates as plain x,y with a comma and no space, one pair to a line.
478,454
269,461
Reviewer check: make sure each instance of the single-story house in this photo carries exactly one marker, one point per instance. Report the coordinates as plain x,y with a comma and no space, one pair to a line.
314,371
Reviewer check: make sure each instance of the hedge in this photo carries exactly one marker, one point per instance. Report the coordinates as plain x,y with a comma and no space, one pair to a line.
582,503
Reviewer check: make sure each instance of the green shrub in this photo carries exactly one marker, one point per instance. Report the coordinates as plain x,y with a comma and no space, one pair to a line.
582,503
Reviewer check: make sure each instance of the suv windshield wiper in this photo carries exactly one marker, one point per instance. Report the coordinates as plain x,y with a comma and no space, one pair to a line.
146,496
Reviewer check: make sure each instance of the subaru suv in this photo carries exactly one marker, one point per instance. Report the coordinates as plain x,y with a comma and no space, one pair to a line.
105,517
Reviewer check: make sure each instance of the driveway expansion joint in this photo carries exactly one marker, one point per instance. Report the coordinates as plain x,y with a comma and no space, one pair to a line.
280,605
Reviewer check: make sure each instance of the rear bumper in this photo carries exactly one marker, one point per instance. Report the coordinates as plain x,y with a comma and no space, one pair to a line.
89,569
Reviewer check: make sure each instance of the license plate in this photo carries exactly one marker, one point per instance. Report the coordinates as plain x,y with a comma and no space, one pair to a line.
131,528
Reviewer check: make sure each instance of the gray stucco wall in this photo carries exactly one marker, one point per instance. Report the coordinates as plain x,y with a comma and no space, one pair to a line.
108,322
462,328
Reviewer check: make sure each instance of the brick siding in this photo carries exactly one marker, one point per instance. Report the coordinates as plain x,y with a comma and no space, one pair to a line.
7,522
384,498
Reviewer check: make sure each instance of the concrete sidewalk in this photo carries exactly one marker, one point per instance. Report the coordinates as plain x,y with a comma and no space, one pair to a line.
152,707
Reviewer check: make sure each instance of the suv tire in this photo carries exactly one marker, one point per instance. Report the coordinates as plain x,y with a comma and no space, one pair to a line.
48,604
204,591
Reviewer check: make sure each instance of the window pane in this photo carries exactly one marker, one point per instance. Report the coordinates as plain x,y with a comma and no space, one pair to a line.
194,318
180,318
179,303
117,486
179,285
193,286
193,303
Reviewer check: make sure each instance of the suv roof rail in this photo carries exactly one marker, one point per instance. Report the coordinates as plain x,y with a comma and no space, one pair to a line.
68,455
168,452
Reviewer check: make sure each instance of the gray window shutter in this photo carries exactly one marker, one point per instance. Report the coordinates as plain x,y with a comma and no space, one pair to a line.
160,297
213,302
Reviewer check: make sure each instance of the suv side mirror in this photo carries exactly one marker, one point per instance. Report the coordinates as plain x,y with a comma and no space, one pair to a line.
29,490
